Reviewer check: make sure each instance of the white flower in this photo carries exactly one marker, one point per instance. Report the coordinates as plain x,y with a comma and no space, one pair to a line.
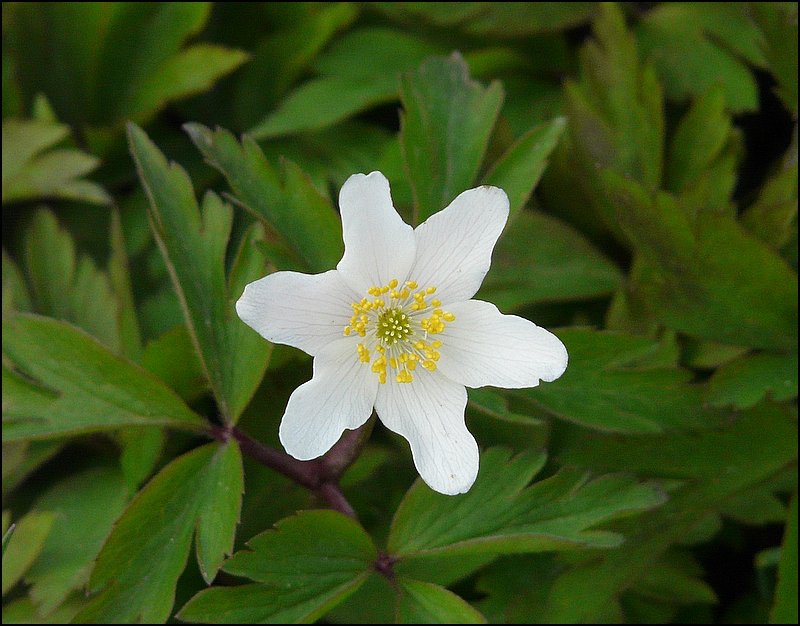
393,327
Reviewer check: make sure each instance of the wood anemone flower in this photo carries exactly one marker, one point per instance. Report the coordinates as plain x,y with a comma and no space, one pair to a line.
394,327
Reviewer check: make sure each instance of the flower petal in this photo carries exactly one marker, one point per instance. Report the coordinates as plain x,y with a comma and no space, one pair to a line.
429,413
307,311
378,245
484,347
454,246
340,395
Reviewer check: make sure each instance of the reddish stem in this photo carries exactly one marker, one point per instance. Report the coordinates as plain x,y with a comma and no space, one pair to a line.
321,476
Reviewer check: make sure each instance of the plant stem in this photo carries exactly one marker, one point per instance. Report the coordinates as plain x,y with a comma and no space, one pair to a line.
320,476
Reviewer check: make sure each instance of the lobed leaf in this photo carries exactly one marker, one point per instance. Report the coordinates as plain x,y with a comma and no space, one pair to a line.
193,243
129,584
286,201
720,463
747,380
698,140
68,554
679,39
502,515
445,129
710,278
606,388
305,566
542,259
80,386
34,168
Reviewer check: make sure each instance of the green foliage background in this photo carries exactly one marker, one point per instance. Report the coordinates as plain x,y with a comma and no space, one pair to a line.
650,154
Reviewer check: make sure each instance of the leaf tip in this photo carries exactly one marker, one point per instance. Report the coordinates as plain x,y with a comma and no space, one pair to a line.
198,133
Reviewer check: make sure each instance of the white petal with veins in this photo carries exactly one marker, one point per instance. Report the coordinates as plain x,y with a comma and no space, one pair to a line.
378,245
306,311
454,246
340,395
429,413
485,347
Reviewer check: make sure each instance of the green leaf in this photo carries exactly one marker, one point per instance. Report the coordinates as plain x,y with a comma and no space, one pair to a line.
784,610
192,70
755,507
436,13
21,458
85,388
606,387
445,129
348,86
173,359
709,279
773,216
193,243
508,595
33,168
778,23
138,41
133,586
119,276
68,287
493,423
720,463
506,20
25,545
512,599
216,524
15,292
699,139
141,451
542,259
616,120
502,515
491,19
677,43
7,532
334,543
332,155
675,579
85,507
324,101
425,603
54,48
101,64
616,111
23,611
518,171
286,201
303,568
751,448
24,139
390,52
747,380
730,25
286,55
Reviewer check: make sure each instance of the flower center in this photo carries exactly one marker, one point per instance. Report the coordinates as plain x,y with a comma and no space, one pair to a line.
396,325
393,326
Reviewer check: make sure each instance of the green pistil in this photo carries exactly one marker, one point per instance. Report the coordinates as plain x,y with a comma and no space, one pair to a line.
393,326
